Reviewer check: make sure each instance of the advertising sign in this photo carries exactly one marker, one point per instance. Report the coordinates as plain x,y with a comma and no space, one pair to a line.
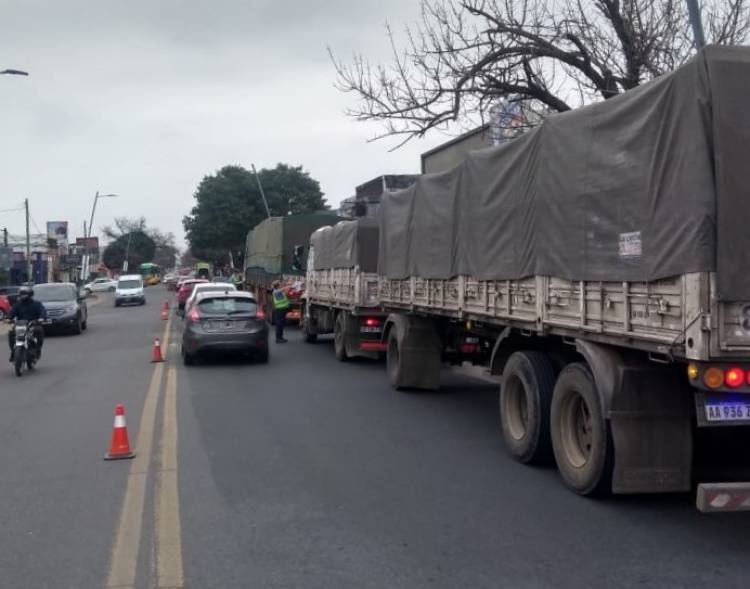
58,231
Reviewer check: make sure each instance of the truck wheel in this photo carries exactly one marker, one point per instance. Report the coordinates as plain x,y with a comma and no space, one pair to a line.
525,398
393,361
310,335
339,338
581,437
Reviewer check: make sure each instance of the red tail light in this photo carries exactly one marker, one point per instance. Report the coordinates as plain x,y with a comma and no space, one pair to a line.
372,322
260,314
734,377
194,315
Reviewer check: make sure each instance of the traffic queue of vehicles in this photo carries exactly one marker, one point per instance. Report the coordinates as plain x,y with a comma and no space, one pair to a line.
576,269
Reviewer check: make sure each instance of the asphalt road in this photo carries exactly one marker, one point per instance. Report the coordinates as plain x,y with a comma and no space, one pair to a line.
306,473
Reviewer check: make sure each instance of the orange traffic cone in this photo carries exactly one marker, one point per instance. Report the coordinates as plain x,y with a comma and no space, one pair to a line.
156,352
165,314
166,306
119,448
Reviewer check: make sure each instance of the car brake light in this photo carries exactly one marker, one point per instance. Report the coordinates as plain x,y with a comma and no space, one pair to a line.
260,314
194,315
372,322
734,377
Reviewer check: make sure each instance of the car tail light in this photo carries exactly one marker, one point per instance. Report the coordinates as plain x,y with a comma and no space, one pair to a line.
734,377
260,314
194,315
372,322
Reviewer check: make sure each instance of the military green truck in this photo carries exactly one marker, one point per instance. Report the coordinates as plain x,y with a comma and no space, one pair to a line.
276,249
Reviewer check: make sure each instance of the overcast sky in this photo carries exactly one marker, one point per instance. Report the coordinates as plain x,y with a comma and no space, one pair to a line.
144,98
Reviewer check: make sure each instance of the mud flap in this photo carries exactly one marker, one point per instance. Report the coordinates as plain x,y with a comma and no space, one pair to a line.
420,351
649,407
650,417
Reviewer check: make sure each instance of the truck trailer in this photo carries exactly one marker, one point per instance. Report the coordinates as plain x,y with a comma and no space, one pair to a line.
342,289
598,266
276,250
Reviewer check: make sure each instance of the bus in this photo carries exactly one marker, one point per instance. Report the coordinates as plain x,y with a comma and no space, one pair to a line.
151,273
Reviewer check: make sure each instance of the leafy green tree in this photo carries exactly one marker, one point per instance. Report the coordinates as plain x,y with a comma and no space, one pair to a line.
137,244
146,244
229,204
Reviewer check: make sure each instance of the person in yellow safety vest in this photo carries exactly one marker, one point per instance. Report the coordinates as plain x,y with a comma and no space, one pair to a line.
280,308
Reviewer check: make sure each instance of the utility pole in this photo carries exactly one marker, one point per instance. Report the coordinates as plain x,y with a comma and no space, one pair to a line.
260,187
5,237
695,21
29,267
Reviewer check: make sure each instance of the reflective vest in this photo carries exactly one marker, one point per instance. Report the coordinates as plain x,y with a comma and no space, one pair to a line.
280,302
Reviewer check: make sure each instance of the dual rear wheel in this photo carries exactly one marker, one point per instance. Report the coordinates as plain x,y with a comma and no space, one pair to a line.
545,413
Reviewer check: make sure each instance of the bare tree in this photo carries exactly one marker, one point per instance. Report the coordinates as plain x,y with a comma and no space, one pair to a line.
547,55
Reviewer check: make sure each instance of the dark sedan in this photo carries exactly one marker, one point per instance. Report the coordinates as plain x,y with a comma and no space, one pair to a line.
66,308
225,323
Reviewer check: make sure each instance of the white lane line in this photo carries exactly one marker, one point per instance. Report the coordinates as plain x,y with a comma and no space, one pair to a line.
168,533
124,560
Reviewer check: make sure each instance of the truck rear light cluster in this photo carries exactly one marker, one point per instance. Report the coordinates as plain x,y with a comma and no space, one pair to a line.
715,377
372,322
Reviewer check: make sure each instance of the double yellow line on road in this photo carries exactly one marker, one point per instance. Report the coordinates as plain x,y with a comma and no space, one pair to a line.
167,529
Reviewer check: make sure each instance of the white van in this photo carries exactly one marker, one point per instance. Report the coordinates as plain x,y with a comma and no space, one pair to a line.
130,290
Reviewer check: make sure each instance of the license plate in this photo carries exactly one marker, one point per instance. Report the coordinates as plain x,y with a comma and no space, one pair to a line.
370,330
728,411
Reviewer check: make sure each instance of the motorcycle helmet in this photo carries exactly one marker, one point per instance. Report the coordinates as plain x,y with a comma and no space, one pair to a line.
25,293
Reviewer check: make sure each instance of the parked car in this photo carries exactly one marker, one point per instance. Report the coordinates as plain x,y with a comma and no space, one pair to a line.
4,307
66,307
186,287
225,322
130,290
11,292
101,285
199,289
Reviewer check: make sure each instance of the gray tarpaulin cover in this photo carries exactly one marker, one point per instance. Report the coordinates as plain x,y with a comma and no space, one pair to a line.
346,245
649,184
270,244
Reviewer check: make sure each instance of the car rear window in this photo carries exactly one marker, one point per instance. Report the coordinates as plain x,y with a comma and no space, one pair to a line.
227,306
123,284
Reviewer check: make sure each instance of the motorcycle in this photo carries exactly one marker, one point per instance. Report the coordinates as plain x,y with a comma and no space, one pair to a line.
26,351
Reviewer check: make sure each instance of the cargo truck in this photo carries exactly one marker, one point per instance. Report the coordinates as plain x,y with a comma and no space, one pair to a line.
598,265
276,249
342,289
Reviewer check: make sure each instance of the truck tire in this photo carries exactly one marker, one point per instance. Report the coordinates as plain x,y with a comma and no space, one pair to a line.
339,338
311,335
393,361
581,437
525,399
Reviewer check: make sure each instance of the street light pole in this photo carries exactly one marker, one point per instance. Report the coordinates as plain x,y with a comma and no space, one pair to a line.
29,266
85,266
695,21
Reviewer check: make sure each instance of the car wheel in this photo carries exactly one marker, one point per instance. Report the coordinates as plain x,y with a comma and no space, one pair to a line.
85,324
111,289
117,303
263,356
187,358
78,327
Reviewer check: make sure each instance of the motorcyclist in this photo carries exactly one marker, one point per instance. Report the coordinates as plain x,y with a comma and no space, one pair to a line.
27,309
